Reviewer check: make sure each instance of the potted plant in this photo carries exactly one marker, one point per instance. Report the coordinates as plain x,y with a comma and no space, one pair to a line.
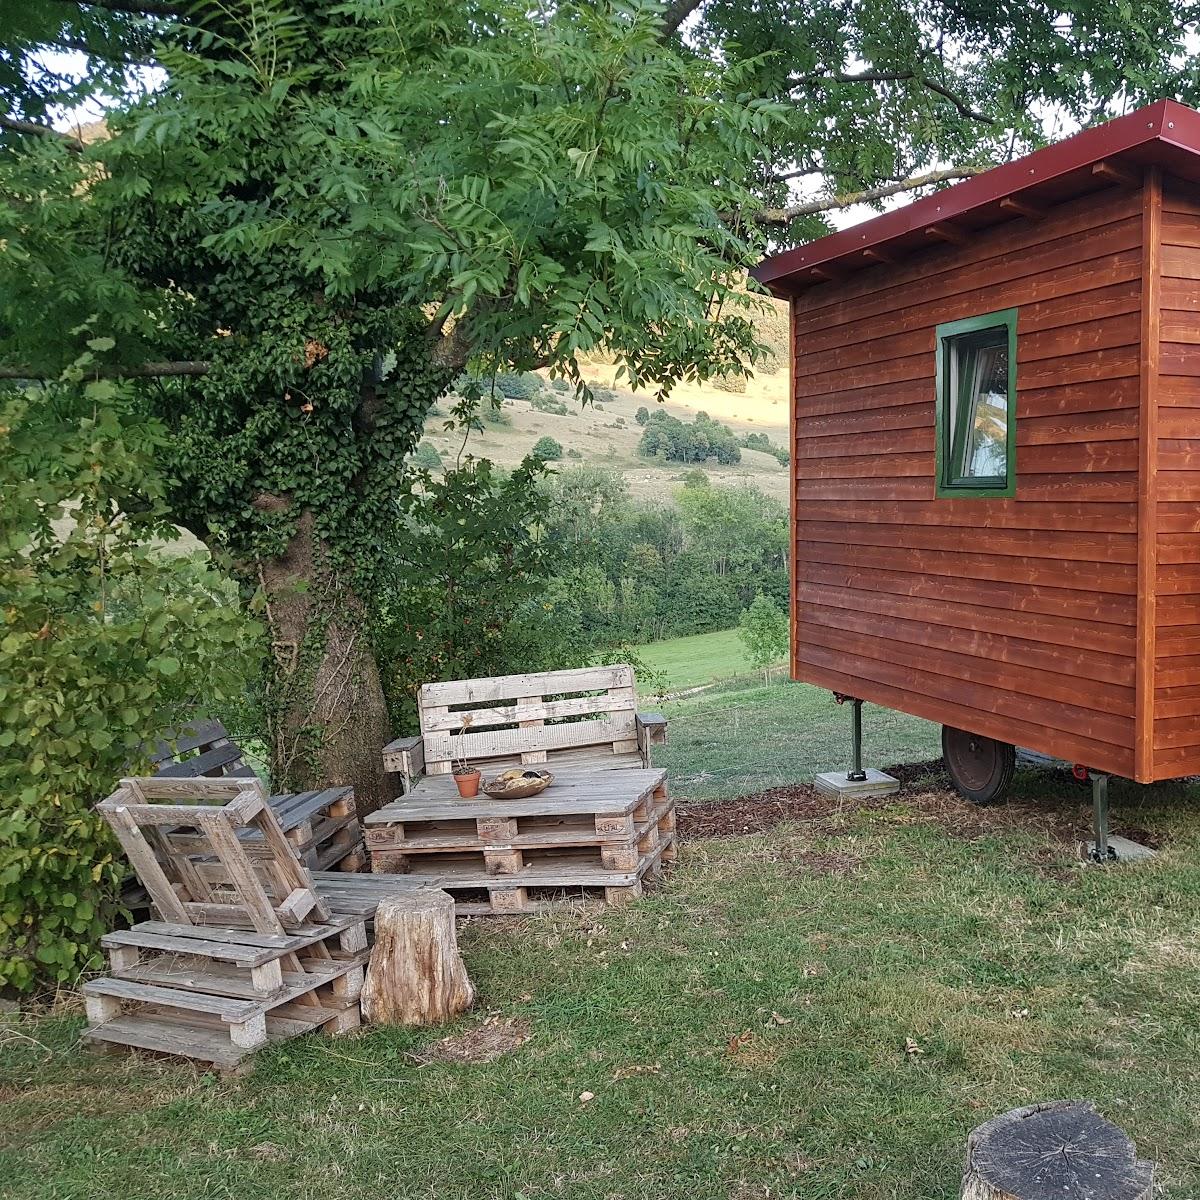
466,777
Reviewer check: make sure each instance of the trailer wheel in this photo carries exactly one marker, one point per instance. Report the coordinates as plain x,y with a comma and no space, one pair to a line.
980,767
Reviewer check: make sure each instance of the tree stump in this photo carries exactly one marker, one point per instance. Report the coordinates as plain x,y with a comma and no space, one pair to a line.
1059,1150
416,975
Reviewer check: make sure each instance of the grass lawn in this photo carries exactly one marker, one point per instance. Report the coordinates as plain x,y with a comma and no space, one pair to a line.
690,661
742,1031
729,743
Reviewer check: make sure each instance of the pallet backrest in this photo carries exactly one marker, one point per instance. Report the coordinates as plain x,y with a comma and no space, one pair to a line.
199,748
256,882
527,716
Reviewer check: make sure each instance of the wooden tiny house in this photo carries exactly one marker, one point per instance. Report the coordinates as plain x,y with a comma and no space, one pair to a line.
996,451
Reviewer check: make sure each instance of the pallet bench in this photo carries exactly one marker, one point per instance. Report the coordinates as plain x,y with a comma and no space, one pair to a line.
585,718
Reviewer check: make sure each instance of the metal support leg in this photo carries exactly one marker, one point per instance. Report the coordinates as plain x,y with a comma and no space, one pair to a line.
856,774
1101,851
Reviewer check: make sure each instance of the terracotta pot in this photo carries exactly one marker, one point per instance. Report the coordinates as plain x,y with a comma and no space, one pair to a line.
468,784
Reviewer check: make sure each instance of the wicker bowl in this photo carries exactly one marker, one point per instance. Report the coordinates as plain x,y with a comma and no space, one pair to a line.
517,784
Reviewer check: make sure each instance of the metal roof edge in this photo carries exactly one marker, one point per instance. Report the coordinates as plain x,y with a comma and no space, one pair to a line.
1165,121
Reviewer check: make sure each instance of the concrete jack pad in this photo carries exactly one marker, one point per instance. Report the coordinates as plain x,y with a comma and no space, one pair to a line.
1124,850
835,783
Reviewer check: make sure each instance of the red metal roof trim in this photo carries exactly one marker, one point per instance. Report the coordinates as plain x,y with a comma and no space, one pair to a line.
1163,131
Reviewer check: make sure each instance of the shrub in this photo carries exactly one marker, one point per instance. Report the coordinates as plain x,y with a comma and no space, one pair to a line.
427,458
560,385
763,630
517,387
549,404
760,441
642,416
729,383
547,449
105,641
573,453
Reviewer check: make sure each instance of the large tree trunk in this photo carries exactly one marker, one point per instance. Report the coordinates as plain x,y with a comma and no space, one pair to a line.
327,715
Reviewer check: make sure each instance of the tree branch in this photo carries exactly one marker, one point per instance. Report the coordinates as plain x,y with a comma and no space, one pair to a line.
940,89
68,139
856,77
781,216
959,103
135,8
798,174
676,12
146,370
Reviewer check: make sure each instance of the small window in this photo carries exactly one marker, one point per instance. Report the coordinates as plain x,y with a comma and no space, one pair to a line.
976,406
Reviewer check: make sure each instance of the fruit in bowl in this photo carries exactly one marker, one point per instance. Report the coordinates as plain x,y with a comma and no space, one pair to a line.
517,783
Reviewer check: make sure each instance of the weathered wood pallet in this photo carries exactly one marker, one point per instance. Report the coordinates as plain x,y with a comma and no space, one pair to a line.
583,717
224,884
550,881
580,840
218,994
322,826
217,1029
614,815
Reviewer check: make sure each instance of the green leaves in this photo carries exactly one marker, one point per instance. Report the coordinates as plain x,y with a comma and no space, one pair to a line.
104,642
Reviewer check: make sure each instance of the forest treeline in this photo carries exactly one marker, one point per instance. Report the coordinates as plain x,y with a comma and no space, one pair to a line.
541,569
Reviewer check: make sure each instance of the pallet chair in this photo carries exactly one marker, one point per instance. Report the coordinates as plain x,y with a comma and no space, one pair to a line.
244,948
215,877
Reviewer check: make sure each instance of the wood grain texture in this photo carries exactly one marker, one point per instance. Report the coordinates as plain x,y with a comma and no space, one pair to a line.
1171,663
1013,617
1148,465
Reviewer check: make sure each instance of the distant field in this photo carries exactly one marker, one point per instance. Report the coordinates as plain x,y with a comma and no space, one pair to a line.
690,661
608,435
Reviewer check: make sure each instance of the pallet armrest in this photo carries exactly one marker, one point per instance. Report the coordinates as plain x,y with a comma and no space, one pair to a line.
654,725
651,731
407,756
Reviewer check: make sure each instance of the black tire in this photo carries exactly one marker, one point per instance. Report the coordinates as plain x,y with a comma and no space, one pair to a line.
981,768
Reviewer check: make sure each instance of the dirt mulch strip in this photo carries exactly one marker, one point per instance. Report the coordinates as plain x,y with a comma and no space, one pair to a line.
1064,817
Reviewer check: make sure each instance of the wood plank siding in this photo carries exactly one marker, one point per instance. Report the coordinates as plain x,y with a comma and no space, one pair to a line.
1015,617
1176,661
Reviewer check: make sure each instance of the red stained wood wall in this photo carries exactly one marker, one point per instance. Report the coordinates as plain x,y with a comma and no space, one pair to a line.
1175,387
1042,619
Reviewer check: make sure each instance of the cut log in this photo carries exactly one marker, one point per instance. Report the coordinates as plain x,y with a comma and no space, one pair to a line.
1059,1150
416,975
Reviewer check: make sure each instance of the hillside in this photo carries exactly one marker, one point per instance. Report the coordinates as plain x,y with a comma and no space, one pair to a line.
607,434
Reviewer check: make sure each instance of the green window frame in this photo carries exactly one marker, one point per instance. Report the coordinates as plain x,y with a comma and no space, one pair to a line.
969,353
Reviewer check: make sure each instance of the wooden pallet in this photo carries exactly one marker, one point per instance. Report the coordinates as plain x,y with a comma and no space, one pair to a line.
546,883
581,808
322,826
591,833
216,995
211,1028
256,880
508,845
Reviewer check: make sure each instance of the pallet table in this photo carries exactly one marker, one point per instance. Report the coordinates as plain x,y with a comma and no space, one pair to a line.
593,832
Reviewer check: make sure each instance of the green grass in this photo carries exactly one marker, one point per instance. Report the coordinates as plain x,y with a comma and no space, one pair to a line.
728,743
1019,974
691,661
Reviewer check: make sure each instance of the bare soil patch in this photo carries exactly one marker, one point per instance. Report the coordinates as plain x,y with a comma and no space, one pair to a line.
481,1044
1063,815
